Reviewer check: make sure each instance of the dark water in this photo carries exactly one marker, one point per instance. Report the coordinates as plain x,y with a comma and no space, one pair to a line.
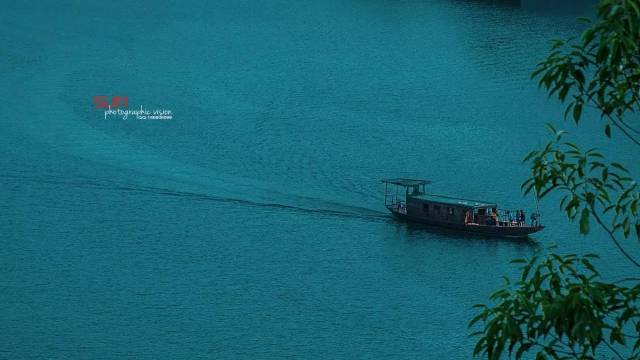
251,225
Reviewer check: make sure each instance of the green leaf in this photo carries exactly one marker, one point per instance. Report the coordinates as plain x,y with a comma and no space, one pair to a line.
477,318
619,166
568,110
529,156
538,71
584,221
551,128
563,92
587,36
540,356
577,112
635,7
523,348
579,76
586,263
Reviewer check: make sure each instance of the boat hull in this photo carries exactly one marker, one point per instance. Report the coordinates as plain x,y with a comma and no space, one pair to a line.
498,231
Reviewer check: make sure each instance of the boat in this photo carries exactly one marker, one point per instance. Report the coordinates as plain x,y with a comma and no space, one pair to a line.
408,200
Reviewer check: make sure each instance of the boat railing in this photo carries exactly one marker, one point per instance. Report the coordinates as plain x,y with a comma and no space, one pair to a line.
518,218
396,204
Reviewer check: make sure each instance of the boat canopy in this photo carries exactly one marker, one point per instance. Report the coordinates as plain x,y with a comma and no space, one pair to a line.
406,182
448,200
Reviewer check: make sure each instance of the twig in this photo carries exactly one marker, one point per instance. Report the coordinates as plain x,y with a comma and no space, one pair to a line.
614,350
626,279
615,241
615,123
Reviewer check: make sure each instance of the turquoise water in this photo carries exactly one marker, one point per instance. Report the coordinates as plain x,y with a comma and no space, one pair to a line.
251,224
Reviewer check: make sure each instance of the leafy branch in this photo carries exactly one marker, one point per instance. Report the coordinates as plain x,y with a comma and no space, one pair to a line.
601,68
591,186
559,309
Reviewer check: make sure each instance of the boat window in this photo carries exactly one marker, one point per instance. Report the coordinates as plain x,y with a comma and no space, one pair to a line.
425,208
451,211
436,209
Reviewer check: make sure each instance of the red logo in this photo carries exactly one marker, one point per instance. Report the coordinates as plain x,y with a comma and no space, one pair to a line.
102,102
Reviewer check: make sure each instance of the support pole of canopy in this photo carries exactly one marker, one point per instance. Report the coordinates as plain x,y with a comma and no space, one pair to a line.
396,199
386,192
538,216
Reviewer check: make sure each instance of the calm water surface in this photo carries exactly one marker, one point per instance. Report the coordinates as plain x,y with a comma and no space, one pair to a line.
251,225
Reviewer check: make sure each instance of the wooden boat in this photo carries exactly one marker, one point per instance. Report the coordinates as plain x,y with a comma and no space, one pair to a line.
410,202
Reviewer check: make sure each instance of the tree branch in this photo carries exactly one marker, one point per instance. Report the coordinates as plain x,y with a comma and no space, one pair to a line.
614,350
611,234
624,131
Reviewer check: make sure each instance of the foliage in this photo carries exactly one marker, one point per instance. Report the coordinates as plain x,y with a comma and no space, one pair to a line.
601,69
591,187
560,309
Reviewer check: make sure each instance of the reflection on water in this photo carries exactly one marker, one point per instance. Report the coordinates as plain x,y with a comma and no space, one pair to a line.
415,232
551,6
546,6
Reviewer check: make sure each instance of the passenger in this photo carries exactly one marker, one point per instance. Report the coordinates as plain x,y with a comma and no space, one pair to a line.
512,218
523,218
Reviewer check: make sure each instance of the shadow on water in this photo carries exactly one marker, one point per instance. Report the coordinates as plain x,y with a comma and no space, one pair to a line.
544,6
417,232
498,3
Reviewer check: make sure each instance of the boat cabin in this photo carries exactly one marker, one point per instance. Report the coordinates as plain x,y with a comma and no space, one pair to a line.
451,210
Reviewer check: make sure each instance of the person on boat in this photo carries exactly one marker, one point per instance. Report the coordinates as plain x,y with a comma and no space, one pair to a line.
512,218
523,218
534,219
494,217
402,208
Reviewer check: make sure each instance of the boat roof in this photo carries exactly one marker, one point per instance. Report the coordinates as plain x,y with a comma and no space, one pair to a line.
448,200
406,182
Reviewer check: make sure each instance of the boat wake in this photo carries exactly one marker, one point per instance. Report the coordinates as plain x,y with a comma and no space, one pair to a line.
322,208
